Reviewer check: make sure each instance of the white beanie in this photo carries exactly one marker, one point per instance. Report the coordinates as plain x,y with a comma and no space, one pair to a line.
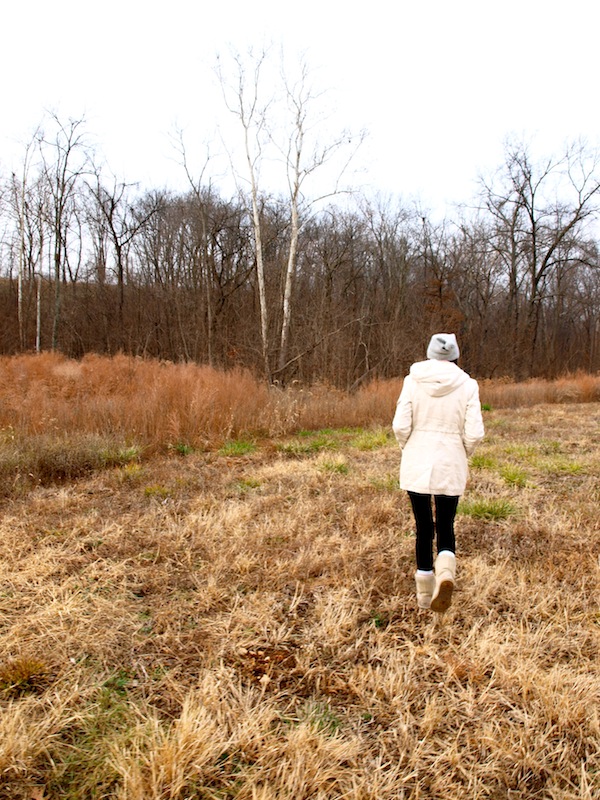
443,347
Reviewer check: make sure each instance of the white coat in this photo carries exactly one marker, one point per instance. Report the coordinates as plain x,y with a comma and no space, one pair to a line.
438,424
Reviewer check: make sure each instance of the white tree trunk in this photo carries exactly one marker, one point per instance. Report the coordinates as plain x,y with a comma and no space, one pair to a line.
287,294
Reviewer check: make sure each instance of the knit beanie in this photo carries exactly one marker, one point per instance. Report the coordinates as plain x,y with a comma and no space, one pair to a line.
443,347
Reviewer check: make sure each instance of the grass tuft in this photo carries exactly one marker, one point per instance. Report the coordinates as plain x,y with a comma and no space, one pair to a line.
237,447
338,465
371,440
23,675
487,509
514,475
482,461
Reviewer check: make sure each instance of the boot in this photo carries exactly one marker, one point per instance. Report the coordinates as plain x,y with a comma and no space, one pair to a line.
445,573
425,587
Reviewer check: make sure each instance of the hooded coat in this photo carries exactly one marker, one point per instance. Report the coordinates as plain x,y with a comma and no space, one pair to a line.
438,424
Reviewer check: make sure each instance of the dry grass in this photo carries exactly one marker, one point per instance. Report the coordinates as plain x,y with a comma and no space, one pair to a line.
577,388
157,404
214,625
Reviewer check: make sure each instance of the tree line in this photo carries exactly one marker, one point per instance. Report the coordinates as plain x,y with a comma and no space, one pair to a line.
339,291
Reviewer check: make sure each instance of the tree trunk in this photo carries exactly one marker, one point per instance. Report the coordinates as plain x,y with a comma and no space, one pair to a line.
287,294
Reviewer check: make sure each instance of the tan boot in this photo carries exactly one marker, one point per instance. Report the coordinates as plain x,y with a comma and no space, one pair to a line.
445,573
425,587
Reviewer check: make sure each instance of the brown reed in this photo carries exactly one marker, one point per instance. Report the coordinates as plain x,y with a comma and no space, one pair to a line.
155,404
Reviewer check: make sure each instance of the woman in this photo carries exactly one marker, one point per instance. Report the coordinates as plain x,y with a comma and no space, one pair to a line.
438,424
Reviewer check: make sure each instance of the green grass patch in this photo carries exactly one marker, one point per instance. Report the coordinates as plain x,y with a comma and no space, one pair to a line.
496,423
238,447
245,485
372,440
559,466
492,509
335,433
181,448
120,455
310,443
307,442
481,461
513,475
337,465
118,682
380,619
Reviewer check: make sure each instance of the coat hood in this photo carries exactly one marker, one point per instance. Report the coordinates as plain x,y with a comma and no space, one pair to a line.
438,378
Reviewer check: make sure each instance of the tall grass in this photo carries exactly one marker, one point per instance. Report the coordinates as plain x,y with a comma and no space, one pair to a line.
152,404
577,388
155,404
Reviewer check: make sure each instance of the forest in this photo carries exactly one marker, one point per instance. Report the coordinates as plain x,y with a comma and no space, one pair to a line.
339,290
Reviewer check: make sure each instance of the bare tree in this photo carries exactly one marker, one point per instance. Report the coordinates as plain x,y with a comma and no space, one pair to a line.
66,159
20,193
297,146
28,209
117,222
243,100
203,193
540,212
303,156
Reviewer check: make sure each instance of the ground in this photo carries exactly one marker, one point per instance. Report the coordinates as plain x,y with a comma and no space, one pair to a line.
243,623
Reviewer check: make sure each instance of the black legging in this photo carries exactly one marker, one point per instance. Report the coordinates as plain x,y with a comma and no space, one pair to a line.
445,511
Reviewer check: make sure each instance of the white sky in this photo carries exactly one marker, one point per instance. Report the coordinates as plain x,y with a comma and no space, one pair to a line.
438,84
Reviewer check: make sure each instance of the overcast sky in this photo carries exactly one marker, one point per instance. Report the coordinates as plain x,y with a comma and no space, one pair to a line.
438,84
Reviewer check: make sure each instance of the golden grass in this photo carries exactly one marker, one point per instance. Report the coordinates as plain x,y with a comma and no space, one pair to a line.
577,388
157,404
244,626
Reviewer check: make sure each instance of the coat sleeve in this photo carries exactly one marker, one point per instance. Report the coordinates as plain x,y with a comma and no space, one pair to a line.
402,422
473,431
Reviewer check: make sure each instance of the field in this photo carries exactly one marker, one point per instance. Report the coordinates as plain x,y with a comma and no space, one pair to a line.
206,591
